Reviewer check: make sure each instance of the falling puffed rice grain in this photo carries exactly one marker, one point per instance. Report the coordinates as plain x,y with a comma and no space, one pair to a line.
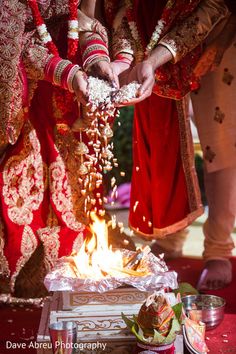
102,101
113,181
135,206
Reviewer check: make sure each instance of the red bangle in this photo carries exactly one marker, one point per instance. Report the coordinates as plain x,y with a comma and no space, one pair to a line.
93,42
94,52
122,58
64,76
50,68
59,72
94,48
96,57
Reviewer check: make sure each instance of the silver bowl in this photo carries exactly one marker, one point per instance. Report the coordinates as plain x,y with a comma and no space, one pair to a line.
206,308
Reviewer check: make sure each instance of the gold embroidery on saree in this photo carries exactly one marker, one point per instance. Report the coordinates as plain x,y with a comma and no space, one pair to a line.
24,180
28,246
12,21
4,266
51,242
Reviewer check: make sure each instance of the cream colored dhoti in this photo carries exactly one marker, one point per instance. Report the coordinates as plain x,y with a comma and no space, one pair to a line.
214,108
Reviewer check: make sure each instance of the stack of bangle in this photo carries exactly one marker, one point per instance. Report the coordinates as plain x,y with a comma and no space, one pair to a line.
95,50
124,58
60,72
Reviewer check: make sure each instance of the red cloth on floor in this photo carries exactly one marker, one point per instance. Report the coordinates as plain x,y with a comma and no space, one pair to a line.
223,338
19,325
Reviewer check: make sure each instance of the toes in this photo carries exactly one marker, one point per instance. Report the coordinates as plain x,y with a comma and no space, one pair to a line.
215,284
216,275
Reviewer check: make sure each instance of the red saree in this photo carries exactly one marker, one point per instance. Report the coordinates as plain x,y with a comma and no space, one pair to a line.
41,201
164,191
164,194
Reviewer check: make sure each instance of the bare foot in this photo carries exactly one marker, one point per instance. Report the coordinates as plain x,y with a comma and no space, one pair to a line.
217,273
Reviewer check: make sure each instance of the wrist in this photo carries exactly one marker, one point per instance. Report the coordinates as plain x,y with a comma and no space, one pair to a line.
159,56
124,58
95,60
74,81
60,72
70,79
120,66
93,51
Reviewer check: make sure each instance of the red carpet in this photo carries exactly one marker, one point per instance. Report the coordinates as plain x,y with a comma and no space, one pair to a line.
19,324
223,338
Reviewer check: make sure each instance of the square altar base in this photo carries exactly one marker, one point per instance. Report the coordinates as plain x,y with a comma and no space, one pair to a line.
98,318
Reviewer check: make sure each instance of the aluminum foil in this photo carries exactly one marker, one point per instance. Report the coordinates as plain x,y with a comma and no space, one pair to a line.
62,277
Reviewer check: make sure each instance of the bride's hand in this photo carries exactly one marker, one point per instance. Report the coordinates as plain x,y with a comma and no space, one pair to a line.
104,70
79,85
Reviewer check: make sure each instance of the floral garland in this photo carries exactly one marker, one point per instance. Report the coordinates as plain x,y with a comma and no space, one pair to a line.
73,41
158,31
73,26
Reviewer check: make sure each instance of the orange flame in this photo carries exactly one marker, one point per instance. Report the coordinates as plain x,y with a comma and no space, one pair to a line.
96,259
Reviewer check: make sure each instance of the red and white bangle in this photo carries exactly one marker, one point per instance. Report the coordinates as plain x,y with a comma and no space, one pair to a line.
94,50
96,59
60,72
71,76
124,58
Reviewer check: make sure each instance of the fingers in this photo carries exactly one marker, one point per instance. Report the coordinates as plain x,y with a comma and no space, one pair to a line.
83,99
80,85
112,78
104,71
147,85
135,100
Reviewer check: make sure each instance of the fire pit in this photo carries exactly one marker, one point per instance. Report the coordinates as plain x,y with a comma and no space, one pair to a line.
95,285
98,268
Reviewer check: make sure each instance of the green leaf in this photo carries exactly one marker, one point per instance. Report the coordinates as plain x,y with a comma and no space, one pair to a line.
136,330
129,323
158,338
186,289
175,328
178,310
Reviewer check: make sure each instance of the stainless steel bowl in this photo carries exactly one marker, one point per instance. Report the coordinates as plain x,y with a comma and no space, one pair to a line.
206,308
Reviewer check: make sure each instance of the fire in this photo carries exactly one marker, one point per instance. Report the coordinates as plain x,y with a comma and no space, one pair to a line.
96,259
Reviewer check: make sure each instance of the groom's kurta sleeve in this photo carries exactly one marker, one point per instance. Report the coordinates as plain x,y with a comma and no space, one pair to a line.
191,32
